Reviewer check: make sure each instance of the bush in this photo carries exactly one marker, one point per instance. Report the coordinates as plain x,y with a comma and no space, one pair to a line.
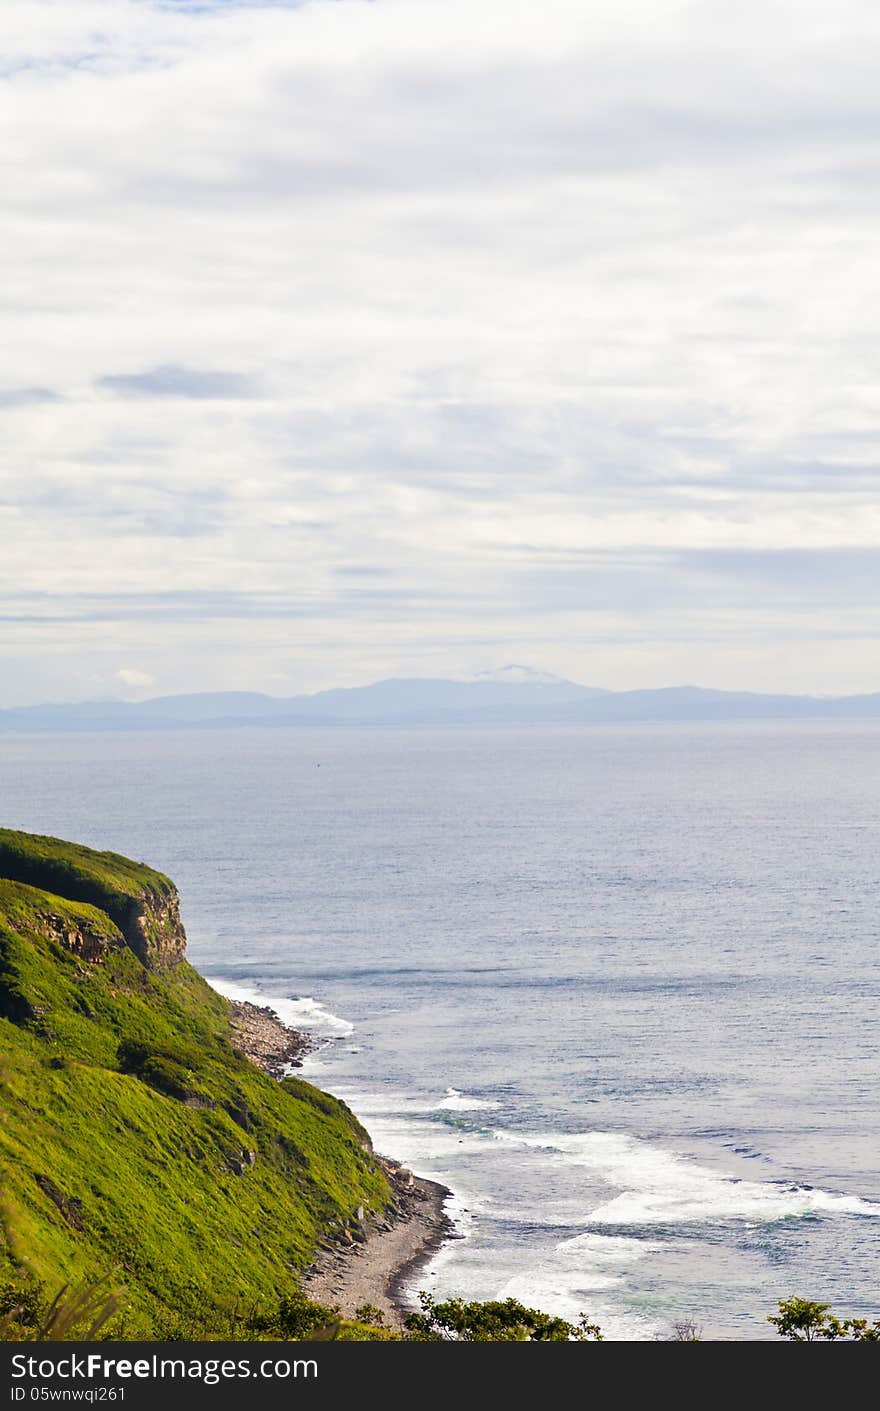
21,1304
371,1315
801,1320
160,1068
76,1314
493,1321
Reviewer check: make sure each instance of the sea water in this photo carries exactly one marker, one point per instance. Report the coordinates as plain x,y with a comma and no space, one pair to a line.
616,986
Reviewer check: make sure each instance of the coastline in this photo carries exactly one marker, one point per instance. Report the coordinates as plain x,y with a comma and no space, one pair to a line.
377,1261
266,1040
376,1258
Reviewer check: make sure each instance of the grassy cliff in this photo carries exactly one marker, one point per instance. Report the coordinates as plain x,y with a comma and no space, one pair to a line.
133,1136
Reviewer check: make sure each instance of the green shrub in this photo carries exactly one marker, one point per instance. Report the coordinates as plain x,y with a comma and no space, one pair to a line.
161,1068
802,1320
496,1320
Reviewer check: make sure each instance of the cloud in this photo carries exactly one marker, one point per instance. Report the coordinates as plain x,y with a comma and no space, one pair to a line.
171,381
131,677
556,314
26,396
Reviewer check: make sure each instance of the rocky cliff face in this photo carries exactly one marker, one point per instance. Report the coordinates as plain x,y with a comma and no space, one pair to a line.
152,926
88,941
86,932
149,925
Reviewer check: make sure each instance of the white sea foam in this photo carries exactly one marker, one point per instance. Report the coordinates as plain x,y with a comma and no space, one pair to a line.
630,1181
422,1144
379,1104
607,1249
655,1186
725,1199
549,1288
584,1264
455,1101
390,1104
299,1011
585,1278
627,1180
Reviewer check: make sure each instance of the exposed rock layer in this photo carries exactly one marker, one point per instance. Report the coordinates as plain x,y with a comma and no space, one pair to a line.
87,940
140,901
152,926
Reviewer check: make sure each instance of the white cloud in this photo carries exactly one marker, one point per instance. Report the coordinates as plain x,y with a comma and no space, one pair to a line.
131,677
446,290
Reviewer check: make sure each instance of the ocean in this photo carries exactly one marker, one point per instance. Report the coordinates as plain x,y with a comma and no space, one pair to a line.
616,986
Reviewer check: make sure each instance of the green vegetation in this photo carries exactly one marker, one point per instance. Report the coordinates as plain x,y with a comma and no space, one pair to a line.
80,1314
494,1321
140,902
153,1182
136,1143
102,879
26,1315
801,1320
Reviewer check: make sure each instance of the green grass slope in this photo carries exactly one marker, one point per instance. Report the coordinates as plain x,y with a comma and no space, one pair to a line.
141,902
133,1137
104,879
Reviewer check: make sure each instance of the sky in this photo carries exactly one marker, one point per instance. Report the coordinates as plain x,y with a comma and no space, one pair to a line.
361,338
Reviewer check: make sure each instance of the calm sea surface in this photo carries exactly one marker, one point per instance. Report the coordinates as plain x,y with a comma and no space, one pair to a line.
616,986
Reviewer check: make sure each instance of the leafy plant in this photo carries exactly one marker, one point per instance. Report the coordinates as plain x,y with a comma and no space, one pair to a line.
802,1320
74,1313
369,1313
162,1068
496,1320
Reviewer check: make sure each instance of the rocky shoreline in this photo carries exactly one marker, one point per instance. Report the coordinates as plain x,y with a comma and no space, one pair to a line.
376,1261
263,1038
375,1257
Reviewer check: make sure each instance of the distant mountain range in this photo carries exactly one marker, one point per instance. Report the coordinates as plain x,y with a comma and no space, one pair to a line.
513,695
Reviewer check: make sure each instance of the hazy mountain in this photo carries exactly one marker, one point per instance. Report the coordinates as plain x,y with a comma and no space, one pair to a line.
512,695
698,703
425,698
203,709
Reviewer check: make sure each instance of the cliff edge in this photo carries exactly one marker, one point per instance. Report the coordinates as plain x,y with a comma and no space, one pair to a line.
142,903
137,1141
